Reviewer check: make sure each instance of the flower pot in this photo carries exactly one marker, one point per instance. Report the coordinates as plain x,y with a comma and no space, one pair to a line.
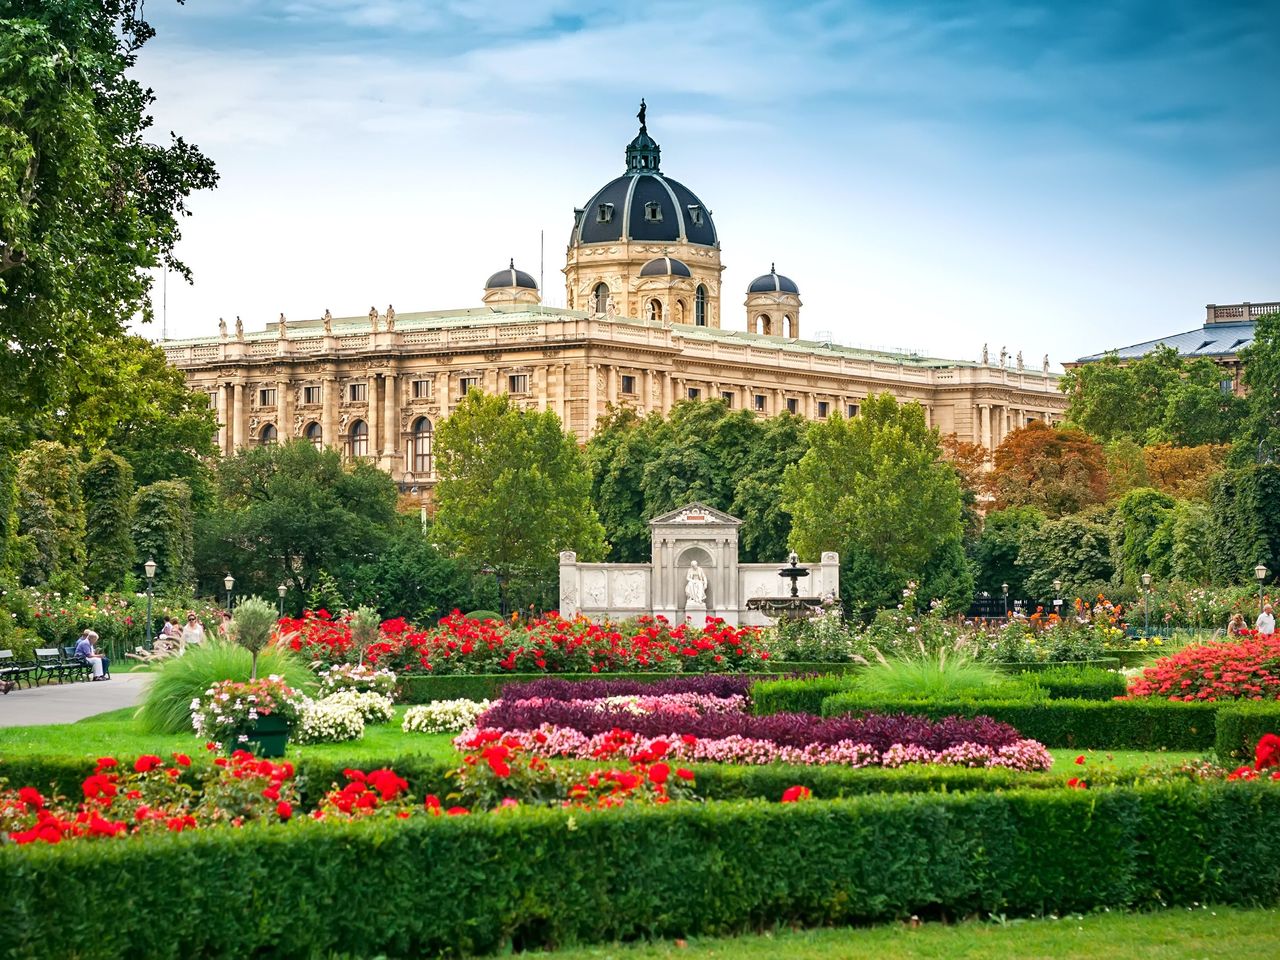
268,736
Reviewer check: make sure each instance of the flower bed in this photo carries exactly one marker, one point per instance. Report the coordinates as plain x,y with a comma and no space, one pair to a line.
1247,669
443,716
230,708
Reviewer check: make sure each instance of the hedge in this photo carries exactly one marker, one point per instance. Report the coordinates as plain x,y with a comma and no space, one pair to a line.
1080,683
533,879
420,688
806,694
1146,724
1239,727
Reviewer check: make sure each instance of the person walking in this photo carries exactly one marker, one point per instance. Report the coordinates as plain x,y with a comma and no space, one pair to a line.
1266,622
193,632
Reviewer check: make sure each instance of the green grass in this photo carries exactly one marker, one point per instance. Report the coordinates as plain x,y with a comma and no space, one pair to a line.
1169,934
1064,760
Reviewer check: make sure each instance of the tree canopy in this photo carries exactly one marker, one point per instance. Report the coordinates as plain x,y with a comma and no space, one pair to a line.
1260,435
1057,470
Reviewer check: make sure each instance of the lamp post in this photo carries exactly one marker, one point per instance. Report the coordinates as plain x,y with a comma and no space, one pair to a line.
1057,597
1260,574
281,590
1004,588
1146,604
149,568
229,582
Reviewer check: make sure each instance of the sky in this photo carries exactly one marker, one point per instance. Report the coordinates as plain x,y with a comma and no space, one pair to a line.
1048,177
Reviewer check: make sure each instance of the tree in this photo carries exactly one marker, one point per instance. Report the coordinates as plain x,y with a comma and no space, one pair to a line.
9,446
1139,514
1246,522
1056,470
970,461
698,455
617,455
87,206
162,531
1126,467
875,489
1076,550
410,577
1184,471
996,552
1260,433
513,491
51,514
108,488
757,499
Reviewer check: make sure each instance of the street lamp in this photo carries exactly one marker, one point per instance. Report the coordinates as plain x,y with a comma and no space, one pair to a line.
282,590
1004,588
1260,572
1146,604
229,582
1057,596
149,568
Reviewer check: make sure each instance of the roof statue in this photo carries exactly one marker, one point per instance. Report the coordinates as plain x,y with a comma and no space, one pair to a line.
222,328
328,322
1021,365
640,115
610,308
284,329
986,356
1045,365
391,318
373,318
239,328
1004,357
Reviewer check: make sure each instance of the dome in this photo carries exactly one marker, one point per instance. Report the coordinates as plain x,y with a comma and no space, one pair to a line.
511,277
665,267
773,282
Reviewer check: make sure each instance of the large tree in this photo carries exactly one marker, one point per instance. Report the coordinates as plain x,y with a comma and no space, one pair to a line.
87,205
51,516
1260,436
996,551
617,455
513,491
875,488
757,496
1056,470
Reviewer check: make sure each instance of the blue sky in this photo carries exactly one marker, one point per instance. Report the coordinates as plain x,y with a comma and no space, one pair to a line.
1054,177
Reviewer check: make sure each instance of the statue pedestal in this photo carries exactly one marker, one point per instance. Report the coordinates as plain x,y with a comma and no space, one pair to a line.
695,613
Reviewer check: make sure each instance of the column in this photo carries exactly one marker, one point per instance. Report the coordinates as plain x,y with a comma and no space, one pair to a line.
810,411
284,411
374,418
779,401
441,388
593,397
224,418
329,415
390,418
611,384
984,416
668,388
237,416
646,395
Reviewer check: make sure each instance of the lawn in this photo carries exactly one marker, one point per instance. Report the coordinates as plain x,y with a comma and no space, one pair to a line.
1202,932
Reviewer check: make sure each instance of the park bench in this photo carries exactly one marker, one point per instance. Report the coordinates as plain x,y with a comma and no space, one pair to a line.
78,667
13,670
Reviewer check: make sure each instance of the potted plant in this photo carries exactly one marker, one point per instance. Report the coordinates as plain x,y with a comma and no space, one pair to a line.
256,715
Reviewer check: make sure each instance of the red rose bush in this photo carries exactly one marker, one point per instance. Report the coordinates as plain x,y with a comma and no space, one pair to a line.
1247,669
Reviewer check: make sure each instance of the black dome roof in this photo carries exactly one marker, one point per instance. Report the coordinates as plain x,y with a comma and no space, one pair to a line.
772,282
665,267
644,205
511,277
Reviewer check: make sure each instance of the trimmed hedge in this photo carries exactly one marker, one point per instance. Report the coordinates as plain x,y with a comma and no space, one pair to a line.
1080,683
1240,726
806,694
1147,724
426,688
532,879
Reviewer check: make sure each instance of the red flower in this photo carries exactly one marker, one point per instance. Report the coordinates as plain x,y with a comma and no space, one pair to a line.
31,797
271,793
182,760
457,811
684,774
106,763
659,772
1267,753
147,762
1075,783
796,794
284,809
1080,759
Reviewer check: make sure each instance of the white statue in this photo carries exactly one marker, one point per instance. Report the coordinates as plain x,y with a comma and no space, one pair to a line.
391,318
695,585
1004,357
373,318
284,329
610,308
1021,365
328,322
986,357
222,328
239,328
1045,366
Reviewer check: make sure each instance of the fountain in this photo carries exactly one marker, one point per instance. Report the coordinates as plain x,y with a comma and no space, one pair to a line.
793,607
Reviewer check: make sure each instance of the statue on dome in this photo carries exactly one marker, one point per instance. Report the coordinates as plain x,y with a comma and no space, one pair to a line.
640,116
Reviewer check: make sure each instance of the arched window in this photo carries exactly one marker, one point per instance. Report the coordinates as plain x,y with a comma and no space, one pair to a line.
601,297
680,312
655,310
315,435
788,326
700,306
764,324
422,446
267,436
359,439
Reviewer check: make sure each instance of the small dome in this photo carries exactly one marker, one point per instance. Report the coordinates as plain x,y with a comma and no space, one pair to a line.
665,267
511,277
773,282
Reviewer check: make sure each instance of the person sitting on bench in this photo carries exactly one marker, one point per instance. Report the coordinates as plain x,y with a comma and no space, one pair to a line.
84,649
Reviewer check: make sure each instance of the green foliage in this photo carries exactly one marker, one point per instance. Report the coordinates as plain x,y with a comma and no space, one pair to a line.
485,615
1240,725
107,484
1076,550
1246,522
251,627
1180,547
1069,682
757,496
162,531
9,445
1260,434
616,456
1138,515
796,694
409,578
699,453
826,638
531,879
325,594
180,680
89,202
934,675
875,489
1126,466
51,515
365,629
996,552
513,492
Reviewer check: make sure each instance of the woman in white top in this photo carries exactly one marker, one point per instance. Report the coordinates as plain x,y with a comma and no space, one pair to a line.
193,632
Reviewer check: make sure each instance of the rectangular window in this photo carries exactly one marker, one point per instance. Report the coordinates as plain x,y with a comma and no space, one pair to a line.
851,410
695,393
727,397
467,384
422,389
267,397
310,394
653,212
1226,386
761,402
628,384
604,213
518,383
793,405
695,214
357,392
824,409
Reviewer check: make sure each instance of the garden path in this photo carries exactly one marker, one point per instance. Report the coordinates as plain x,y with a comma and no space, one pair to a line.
69,702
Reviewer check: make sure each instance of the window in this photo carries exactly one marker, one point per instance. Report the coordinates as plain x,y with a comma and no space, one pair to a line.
764,324
267,436
467,384
824,409
602,297
727,397
680,311
655,310
310,394
793,405
1226,386
653,211
604,213
422,389
213,400
788,326
518,383
695,393
700,306
628,384
762,404
357,392
359,439
695,214
315,434
422,445
851,410
267,397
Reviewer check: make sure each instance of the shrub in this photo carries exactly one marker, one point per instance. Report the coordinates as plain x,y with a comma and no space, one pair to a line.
710,685
942,673
795,695
1240,726
373,707
351,676
326,721
231,708
179,681
1071,682
443,716
251,628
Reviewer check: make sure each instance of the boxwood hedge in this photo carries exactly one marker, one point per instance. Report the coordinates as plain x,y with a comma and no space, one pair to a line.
1239,727
531,879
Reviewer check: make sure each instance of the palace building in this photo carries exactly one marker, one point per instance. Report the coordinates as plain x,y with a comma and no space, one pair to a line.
644,329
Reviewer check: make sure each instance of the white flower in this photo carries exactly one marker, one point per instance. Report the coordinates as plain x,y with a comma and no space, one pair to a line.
443,716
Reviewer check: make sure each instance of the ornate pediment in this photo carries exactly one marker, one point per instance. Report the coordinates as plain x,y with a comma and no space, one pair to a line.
696,515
